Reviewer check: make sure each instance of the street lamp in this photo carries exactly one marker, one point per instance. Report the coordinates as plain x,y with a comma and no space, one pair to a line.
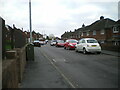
30,21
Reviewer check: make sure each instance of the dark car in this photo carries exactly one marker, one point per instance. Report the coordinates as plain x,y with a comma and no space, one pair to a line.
37,43
60,43
70,44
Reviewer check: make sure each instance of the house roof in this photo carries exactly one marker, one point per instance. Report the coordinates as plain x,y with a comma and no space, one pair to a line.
101,24
98,25
117,23
67,34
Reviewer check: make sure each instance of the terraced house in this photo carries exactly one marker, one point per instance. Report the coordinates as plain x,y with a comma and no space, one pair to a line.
105,30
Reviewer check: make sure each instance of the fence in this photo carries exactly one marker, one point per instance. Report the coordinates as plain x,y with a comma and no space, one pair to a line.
15,38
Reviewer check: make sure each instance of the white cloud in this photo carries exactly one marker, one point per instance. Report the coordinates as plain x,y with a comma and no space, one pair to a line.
56,16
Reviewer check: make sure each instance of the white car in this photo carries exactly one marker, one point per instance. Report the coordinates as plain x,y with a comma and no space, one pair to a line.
88,45
36,43
42,42
53,42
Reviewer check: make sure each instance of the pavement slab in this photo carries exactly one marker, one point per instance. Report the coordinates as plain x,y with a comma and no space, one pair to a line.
41,74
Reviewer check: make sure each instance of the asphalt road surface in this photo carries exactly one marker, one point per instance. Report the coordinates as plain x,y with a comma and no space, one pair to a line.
85,71
78,70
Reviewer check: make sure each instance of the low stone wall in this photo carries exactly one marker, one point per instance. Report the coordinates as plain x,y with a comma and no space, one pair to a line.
21,62
13,69
9,74
111,48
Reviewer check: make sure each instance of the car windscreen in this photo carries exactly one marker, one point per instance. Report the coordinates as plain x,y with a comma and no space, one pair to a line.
36,41
73,41
92,41
60,41
54,41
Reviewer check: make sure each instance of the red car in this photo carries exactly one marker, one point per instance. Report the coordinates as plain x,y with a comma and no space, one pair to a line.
70,44
60,43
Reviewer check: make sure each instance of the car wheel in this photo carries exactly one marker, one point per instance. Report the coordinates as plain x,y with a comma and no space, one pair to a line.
68,48
98,52
64,47
84,51
39,45
76,50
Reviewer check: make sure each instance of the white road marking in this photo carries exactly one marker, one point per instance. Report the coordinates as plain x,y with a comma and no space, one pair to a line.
62,74
54,60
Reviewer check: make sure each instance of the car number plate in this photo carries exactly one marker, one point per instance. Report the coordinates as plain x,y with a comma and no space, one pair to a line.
93,45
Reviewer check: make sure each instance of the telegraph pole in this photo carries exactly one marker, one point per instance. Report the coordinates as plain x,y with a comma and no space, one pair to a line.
30,21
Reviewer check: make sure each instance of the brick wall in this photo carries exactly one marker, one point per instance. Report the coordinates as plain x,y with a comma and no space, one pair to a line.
98,35
13,69
110,47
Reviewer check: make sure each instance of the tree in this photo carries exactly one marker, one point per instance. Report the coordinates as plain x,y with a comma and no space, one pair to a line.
51,36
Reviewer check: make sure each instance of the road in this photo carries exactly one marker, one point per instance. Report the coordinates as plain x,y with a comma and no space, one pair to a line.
84,71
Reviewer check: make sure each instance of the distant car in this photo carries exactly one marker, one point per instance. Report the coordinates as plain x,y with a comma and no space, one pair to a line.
60,43
88,45
53,42
42,42
37,43
46,41
70,44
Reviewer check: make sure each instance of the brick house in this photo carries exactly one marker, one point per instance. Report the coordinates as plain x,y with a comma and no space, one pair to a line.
67,35
35,36
106,31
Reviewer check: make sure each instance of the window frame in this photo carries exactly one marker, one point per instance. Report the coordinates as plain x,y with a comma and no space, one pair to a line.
82,34
87,33
115,30
102,31
94,32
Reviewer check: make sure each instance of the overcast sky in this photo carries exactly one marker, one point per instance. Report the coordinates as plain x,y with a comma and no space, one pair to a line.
56,16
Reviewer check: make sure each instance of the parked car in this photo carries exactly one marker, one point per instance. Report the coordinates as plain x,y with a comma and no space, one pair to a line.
42,42
37,43
70,44
46,41
88,45
53,42
60,43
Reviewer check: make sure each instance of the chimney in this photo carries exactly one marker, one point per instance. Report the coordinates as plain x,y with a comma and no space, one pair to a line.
101,18
83,25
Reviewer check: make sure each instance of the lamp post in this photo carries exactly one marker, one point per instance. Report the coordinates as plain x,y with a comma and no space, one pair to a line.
30,21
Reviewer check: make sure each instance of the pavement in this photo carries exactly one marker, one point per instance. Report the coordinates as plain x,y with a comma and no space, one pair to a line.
113,53
41,73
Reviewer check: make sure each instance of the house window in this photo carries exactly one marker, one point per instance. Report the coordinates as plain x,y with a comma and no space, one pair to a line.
116,43
82,34
102,31
87,33
102,42
94,32
115,30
